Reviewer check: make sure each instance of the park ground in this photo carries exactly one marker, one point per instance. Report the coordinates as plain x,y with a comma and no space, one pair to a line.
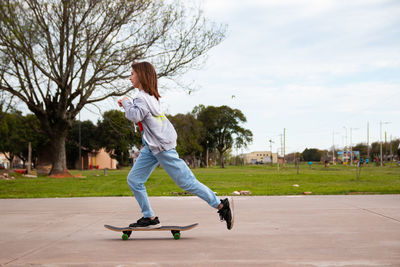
288,231
259,180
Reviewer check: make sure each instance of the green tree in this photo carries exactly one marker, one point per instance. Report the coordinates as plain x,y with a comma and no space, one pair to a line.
242,140
89,141
32,132
12,136
375,150
57,56
397,147
363,148
16,131
222,125
117,135
190,134
9,136
312,154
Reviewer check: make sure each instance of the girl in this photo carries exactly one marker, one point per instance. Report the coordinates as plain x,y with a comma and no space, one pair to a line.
159,140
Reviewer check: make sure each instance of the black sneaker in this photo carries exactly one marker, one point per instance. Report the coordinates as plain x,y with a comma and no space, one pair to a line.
226,213
146,223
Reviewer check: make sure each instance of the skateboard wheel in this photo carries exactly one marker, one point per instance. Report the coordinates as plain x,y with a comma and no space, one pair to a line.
128,233
125,236
176,234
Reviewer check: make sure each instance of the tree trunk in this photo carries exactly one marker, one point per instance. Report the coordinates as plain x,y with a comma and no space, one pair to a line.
221,158
194,161
11,159
59,161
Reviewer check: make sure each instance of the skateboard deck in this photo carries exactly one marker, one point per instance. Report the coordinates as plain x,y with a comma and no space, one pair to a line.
175,230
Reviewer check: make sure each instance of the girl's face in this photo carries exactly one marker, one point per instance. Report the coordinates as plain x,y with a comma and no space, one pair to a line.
135,80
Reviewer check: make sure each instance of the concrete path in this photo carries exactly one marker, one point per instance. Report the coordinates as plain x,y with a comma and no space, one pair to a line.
269,231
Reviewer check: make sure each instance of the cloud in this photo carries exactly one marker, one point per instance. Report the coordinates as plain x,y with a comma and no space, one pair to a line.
310,66
334,37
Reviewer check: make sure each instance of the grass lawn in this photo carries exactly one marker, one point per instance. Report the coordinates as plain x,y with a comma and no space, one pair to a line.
260,180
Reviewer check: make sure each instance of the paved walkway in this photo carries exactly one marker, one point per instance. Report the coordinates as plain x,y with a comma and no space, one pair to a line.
269,231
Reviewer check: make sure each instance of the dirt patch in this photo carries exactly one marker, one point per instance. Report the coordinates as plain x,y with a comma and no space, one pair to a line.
64,174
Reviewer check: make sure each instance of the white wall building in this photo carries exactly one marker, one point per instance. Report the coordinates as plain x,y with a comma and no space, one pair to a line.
260,157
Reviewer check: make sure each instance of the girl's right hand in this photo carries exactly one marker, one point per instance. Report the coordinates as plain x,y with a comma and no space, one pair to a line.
122,99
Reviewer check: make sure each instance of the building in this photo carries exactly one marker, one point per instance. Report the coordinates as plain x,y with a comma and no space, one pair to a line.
102,160
258,157
97,160
5,163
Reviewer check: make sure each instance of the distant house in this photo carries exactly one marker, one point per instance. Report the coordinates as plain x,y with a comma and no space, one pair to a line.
96,160
258,157
91,159
5,163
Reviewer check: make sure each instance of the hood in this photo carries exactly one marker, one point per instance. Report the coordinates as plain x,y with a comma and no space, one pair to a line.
152,103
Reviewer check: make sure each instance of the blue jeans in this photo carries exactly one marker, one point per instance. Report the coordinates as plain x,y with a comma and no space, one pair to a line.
176,169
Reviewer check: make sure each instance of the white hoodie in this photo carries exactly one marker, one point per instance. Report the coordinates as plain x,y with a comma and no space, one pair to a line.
158,132
152,103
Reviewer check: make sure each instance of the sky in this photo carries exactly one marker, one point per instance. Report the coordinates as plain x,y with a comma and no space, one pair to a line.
320,69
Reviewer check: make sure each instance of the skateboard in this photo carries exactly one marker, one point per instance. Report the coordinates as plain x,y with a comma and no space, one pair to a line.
175,230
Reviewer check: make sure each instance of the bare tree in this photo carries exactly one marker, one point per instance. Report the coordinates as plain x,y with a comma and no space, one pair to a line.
57,56
7,102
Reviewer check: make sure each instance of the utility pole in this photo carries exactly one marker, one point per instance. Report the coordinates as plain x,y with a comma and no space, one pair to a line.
207,154
29,158
391,152
380,134
284,146
333,147
368,140
80,147
345,144
385,143
351,145
270,147
278,159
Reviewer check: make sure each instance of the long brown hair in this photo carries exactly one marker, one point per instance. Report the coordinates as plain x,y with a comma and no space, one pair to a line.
147,77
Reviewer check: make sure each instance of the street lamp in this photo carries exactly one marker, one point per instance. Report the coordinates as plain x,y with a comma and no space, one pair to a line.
380,124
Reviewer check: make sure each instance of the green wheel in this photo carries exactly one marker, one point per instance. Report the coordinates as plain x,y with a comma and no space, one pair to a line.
177,236
125,237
